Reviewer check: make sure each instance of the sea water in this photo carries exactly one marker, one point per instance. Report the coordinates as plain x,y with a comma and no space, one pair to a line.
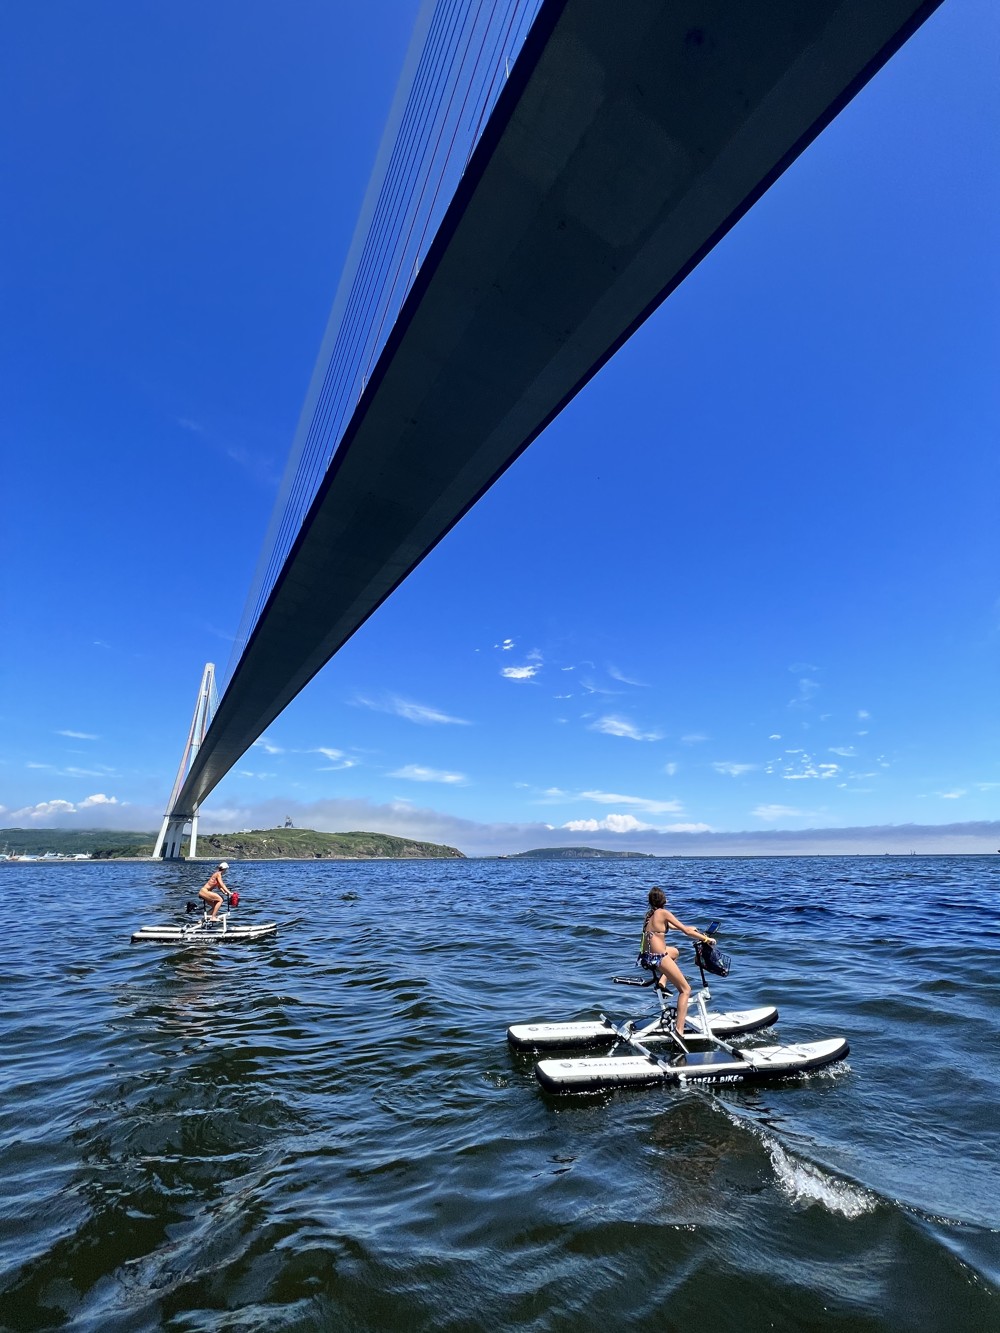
327,1130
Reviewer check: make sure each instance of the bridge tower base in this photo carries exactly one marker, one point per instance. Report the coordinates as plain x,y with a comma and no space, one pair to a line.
171,840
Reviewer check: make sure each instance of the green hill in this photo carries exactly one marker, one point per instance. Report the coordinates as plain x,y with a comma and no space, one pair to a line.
255,845
306,844
579,854
72,842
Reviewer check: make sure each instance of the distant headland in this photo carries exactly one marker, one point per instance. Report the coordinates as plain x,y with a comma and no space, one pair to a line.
578,854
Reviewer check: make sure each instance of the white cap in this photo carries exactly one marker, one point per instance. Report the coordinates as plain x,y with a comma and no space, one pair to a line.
223,865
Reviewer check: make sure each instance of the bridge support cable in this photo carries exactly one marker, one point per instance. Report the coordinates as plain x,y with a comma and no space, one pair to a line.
170,842
460,55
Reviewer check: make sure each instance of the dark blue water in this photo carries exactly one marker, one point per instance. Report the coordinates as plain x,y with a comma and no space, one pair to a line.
328,1130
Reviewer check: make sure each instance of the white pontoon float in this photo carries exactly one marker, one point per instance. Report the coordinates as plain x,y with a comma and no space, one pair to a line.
702,1055
204,930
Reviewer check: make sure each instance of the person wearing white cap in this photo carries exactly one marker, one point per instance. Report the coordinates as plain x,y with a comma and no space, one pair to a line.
210,891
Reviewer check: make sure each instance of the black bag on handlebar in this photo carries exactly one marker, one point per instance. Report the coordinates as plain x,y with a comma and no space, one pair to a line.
710,959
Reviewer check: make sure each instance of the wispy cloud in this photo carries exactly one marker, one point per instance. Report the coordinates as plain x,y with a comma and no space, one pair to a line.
808,689
772,812
734,770
418,773
650,805
337,758
78,735
694,738
268,747
423,715
670,769
621,726
845,751
615,674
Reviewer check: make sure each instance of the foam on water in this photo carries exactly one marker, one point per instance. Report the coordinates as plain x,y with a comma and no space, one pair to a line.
806,1184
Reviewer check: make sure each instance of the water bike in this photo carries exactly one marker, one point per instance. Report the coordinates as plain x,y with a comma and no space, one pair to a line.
701,1055
204,928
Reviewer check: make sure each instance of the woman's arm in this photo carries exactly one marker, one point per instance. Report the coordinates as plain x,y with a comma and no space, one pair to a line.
691,931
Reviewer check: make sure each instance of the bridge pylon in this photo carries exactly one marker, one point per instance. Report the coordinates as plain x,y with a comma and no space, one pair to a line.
171,839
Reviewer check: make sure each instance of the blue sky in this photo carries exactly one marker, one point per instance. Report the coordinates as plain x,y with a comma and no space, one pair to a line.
743,595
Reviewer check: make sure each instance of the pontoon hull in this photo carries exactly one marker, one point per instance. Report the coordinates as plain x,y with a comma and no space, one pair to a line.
713,1066
562,1036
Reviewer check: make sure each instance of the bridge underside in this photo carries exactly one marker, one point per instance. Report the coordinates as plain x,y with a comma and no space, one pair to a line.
626,143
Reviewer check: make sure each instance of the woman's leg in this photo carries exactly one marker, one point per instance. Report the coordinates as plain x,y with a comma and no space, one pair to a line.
214,898
669,969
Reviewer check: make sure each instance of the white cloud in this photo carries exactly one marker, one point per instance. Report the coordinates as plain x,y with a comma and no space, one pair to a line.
506,646
78,735
774,736
803,767
612,824
412,712
58,809
951,795
418,773
520,672
845,751
621,726
734,770
45,810
687,828
695,738
670,769
863,714
264,744
651,807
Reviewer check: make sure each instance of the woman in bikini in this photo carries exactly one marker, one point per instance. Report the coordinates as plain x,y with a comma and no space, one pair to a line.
212,891
661,957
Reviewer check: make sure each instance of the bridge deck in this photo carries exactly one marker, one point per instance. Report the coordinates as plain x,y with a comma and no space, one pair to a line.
618,154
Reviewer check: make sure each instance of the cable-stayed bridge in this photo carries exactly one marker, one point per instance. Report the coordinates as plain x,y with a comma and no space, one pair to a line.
550,173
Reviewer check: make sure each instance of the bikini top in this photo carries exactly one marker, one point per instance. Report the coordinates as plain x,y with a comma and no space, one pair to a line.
645,929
